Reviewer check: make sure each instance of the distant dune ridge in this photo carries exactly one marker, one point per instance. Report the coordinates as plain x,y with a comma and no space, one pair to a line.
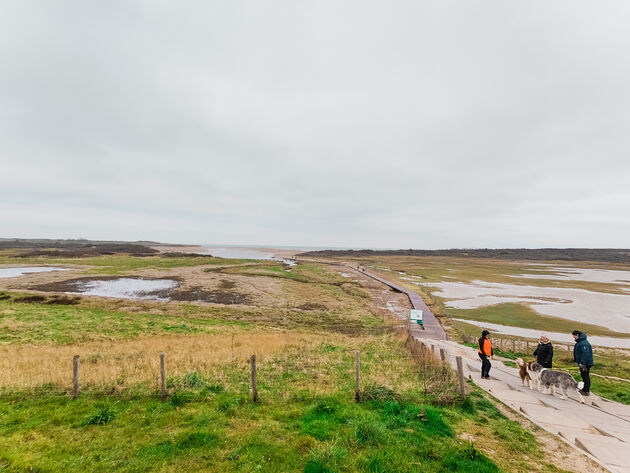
611,255
74,248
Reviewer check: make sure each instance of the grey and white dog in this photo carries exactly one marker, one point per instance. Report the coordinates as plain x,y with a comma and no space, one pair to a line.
549,379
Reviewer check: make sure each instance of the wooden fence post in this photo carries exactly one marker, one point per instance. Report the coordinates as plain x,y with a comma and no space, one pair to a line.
460,375
514,345
252,362
432,349
357,369
527,345
162,377
442,354
75,376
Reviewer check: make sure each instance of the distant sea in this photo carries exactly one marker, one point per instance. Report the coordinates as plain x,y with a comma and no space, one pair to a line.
261,252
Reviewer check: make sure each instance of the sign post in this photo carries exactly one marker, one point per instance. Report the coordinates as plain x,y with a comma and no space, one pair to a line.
415,315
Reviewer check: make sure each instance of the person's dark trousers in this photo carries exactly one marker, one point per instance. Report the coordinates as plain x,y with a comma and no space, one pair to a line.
586,377
485,365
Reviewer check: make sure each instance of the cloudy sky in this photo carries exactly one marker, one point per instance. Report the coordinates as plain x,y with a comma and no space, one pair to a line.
424,124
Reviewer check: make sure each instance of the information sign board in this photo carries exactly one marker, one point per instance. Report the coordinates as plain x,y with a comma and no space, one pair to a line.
415,315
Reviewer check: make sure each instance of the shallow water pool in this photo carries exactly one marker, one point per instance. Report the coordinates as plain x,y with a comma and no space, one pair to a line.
15,272
126,288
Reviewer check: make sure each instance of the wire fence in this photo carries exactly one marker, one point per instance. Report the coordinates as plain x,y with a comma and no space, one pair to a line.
274,366
523,345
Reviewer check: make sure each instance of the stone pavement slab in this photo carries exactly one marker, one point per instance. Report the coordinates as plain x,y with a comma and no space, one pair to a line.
516,397
612,429
609,450
554,417
615,408
490,384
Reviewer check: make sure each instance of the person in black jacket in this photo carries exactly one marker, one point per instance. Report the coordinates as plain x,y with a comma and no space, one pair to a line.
544,352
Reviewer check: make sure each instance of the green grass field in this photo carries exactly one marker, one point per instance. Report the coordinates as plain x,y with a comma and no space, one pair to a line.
209,423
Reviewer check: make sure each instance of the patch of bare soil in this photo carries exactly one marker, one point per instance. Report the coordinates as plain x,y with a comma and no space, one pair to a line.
249,290
199,294
312,306
227,284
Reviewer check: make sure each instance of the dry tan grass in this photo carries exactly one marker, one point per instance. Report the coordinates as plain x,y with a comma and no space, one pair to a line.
316,363
134,361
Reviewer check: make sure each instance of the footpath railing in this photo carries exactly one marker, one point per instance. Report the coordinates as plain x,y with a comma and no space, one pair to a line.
522,345
515,345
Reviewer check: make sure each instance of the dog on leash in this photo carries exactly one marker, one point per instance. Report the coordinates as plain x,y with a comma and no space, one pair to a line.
549,379
523,372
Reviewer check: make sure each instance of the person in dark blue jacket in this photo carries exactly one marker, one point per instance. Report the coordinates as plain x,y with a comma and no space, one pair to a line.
583,356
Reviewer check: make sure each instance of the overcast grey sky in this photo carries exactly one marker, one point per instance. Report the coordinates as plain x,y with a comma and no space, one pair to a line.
392,124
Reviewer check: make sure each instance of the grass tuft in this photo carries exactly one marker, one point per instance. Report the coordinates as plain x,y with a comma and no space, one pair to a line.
103,415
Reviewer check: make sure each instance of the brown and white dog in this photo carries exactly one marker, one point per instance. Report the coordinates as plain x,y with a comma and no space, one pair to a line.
523,372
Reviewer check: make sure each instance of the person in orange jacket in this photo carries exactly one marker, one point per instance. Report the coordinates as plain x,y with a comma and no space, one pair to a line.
485,353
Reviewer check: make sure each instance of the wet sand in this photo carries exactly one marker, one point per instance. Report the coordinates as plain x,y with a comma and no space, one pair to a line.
201,250
608,310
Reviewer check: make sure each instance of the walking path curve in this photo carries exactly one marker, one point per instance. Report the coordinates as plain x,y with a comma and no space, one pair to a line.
432,327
